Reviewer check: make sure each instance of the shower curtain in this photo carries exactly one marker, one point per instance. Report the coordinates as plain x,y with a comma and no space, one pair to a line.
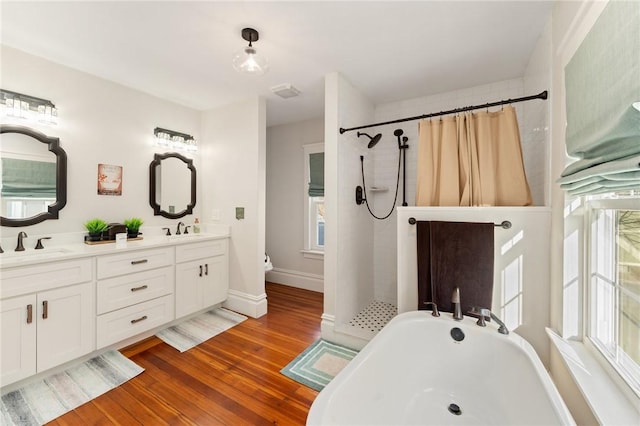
471,159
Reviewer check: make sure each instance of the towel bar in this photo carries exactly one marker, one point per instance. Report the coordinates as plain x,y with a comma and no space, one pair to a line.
505,224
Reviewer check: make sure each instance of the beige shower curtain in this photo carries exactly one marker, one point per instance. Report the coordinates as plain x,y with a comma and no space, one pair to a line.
471,160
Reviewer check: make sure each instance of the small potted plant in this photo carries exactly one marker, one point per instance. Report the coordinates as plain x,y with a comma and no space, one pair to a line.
133,226
95,228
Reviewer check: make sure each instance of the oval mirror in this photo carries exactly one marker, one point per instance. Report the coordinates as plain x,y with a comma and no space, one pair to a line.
172,185
33,171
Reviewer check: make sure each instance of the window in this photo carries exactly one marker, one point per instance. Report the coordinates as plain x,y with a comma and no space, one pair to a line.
314,198
613,287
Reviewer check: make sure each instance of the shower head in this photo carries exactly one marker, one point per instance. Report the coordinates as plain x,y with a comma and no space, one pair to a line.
372,140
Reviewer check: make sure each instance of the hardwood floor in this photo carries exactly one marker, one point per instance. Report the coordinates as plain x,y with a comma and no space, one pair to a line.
231,379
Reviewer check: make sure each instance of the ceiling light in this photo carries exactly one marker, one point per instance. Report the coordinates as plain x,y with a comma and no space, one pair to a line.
247,61
285,91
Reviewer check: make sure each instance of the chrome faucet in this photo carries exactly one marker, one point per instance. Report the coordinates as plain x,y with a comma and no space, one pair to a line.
485,314
178,228
20,246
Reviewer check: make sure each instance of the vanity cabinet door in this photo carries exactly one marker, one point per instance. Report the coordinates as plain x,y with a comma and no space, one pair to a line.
190,283
66,324
17,338
200,284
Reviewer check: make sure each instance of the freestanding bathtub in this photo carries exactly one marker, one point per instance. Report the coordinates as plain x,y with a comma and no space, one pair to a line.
423,370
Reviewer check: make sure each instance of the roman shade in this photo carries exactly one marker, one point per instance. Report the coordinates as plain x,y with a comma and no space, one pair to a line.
602,83
28,179
316,174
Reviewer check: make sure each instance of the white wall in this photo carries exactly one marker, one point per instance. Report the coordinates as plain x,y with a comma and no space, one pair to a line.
99,122
521,265
348,273
104,122
234,176
285,205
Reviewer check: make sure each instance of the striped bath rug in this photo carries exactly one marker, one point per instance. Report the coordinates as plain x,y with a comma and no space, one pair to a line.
46,399
318,364
190,333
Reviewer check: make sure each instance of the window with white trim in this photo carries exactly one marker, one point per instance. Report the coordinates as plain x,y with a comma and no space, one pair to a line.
314,197
613,283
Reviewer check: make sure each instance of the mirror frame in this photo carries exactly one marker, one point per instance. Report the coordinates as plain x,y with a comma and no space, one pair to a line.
157,210
61,176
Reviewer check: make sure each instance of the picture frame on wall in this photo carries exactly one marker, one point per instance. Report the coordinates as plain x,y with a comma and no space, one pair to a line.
109,179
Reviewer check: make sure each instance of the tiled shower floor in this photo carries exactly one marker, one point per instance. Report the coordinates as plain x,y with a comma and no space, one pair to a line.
374,317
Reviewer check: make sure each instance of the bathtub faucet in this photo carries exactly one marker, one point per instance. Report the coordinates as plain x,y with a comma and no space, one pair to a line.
434,309
485,313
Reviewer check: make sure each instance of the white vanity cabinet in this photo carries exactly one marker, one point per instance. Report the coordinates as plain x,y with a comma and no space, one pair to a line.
202,275
134,293
47,317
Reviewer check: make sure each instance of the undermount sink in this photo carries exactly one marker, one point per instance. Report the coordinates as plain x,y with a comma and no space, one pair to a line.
29,254
184,236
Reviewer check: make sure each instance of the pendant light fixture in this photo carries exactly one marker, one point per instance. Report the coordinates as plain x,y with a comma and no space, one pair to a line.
247,61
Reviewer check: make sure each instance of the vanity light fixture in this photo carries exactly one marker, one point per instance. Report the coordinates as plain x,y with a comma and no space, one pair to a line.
248,61
175,140
18,105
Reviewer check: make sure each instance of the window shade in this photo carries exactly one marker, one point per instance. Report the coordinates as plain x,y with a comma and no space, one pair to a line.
602,83
28,179
316,174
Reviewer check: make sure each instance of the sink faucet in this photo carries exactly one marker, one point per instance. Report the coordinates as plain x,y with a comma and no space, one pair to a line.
178,229
20,246
486,313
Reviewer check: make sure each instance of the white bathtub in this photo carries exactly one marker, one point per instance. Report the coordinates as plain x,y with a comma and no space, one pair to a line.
413,371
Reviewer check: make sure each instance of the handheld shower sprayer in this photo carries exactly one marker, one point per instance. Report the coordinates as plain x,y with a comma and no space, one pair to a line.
372,140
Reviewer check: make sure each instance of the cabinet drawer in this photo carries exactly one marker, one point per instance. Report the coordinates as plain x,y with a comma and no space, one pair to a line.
134,261
127,322
46,276
201,250
119,292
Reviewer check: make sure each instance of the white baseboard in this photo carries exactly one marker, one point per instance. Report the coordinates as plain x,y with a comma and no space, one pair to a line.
296,279
331,334
246,304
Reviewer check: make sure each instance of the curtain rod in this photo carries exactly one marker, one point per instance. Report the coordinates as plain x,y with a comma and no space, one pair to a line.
541,95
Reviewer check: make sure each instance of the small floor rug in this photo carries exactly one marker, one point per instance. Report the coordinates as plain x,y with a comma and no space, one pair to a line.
190,333
318,364
46,399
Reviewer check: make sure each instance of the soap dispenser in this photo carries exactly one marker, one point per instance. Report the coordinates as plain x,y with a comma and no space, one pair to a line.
196,226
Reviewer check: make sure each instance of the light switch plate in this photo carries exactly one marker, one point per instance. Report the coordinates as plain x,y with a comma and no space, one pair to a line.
239,213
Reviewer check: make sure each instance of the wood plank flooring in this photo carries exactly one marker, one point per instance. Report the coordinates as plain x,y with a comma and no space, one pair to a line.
231,379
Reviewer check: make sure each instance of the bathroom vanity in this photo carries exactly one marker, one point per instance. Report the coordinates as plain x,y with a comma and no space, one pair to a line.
63,303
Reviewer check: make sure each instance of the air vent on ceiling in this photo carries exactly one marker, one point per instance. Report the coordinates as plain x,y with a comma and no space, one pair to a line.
285,91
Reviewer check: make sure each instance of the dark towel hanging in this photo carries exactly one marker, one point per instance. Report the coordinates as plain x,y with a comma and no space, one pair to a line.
455,254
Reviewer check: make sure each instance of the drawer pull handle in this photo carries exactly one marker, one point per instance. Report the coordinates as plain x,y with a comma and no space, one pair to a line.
142,318
29,313
142,287
206,269
45,310
138,262
200,270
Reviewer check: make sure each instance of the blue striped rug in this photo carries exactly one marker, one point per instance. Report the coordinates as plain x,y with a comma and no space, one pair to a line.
190,333
318,364
42,401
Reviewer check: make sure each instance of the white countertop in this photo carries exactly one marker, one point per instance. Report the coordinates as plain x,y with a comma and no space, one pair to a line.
76,250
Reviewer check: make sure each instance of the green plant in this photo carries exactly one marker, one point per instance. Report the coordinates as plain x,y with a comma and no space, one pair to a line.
133,224
96,226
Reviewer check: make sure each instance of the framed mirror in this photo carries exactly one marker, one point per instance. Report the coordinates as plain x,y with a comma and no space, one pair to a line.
172,185
33,169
